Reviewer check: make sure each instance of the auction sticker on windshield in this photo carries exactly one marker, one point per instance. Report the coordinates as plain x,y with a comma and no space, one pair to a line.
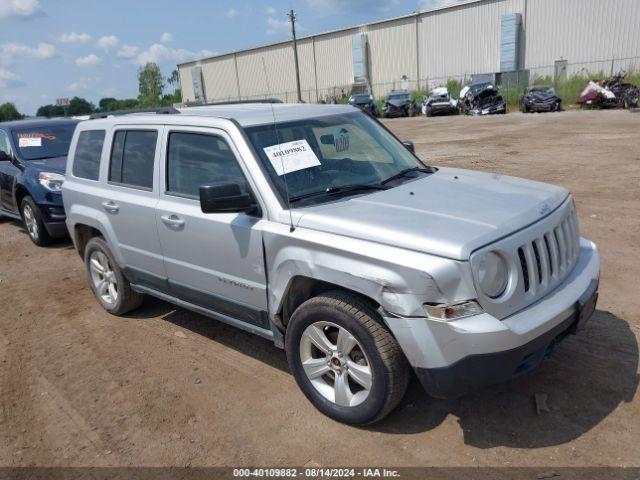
24,142
291,156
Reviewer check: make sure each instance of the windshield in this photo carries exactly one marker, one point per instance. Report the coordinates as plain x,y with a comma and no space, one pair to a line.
480,86
399,96
329,152
543,90
360,98
44,141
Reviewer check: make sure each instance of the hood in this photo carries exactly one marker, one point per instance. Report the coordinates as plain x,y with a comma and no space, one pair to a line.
55,165
450,213
542,97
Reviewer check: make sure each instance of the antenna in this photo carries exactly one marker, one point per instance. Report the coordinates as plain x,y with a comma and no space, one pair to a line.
275,129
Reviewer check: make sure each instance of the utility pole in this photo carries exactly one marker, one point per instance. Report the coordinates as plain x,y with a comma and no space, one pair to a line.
292,18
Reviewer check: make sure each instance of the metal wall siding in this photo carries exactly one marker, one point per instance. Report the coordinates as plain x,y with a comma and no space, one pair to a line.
452,42
186,84
219,77
392,47
464,39
334,57
280,71
581,31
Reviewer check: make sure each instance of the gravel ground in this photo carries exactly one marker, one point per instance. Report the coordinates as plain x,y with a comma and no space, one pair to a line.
79,387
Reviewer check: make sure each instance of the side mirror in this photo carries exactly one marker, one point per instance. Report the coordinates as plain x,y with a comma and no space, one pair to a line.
225,198
408,144
5,157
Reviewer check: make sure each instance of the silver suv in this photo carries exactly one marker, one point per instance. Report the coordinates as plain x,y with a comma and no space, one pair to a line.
313,226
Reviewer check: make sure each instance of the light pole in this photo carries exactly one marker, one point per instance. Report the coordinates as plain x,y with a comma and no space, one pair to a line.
292,18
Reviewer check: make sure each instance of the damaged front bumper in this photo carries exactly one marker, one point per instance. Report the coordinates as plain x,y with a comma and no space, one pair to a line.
453,358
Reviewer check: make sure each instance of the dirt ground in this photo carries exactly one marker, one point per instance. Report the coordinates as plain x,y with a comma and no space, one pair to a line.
79,387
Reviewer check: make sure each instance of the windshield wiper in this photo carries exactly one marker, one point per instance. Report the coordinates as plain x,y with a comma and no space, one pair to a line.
404,172
334,190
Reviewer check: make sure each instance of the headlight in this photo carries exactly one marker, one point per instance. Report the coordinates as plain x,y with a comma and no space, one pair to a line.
51,181
493,274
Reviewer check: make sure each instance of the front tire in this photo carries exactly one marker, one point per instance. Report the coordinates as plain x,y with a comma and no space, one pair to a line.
112,290
344,359
33,222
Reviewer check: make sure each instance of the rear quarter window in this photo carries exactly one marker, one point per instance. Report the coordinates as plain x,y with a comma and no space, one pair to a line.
86,161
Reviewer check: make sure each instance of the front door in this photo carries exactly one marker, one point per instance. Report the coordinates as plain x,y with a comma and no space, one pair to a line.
8,173
212,260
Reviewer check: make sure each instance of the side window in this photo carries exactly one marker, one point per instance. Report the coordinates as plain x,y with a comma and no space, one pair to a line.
132,156
5,146
195,159
86,162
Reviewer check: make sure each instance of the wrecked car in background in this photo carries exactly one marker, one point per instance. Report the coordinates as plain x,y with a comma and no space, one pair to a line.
365,102
398,104
610,93
481,99
540,99
439,102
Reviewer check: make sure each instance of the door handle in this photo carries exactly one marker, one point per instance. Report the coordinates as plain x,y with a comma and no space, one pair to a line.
172,220
111,206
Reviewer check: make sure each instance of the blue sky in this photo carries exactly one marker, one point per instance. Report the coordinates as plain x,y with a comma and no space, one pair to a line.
93,48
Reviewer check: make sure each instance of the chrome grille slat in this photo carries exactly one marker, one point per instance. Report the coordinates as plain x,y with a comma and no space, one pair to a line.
553,246
544,260
532,268
562,247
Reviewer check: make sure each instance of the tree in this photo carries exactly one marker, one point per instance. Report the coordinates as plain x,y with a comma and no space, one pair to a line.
113,104
150,86
8,112
176,96
79,106
50,111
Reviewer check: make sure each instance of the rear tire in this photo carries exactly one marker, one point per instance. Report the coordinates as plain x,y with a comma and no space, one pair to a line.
33,222
112,290
344,359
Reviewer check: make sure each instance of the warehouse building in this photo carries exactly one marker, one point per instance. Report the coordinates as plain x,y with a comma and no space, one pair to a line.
466,41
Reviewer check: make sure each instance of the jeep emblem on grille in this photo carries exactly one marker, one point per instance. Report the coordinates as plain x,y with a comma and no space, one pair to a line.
544,209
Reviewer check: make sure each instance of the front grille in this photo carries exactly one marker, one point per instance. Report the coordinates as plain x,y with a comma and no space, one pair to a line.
550,256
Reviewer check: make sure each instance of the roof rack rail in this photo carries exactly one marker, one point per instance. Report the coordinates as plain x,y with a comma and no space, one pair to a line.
115,113
235,102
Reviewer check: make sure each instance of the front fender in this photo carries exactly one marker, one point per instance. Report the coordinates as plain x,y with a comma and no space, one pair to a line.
398,280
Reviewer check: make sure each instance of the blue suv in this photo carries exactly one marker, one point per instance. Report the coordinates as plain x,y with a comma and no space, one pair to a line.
33,157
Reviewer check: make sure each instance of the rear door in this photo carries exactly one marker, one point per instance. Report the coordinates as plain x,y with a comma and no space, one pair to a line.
129,199
212,260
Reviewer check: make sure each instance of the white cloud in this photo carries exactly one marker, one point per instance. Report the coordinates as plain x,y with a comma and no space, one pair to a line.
88,61
277,26
166,37
432,4
128,51
232,12
108,42
79,86
271,11
20,51
22,9
158,53
9,79
206,53
74,37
